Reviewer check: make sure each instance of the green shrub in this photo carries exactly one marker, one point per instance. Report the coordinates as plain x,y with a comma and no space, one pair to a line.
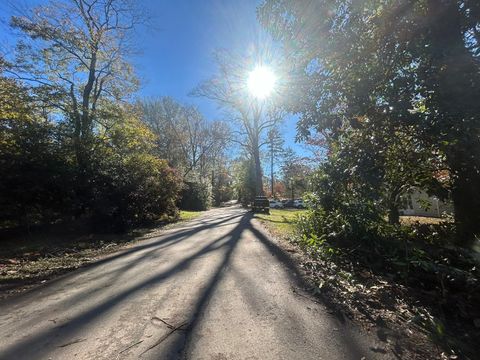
36,185
195,196
420,253
244,181
135,190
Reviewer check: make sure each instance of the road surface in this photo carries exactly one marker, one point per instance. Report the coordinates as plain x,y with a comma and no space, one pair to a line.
215,287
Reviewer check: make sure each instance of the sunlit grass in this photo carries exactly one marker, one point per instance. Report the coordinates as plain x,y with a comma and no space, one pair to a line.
188,215
280,221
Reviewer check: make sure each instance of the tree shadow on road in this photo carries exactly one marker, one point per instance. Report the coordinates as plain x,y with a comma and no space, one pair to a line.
39,344
177,349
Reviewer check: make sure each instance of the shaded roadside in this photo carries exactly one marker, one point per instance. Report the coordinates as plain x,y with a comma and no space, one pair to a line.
391,311
28,259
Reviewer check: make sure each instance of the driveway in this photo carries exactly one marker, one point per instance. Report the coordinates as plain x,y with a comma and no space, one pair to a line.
215,287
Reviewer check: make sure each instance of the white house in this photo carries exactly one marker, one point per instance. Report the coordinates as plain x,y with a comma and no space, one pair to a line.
419,203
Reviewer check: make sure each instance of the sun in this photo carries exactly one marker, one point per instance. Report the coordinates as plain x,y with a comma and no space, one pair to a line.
261,82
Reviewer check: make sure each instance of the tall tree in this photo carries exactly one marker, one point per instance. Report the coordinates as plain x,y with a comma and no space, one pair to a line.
70,144
162,116
449,75
295,173
73,54
222,187
275,150
229,89
244,179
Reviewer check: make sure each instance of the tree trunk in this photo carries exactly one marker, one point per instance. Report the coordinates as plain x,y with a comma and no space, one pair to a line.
258,172
393,215
455,82
271,173
466,203
393,203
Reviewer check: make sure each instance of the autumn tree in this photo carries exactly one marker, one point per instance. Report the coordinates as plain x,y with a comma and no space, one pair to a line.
244,180
73,54
222,182
162,115
72,146
190,142
32,161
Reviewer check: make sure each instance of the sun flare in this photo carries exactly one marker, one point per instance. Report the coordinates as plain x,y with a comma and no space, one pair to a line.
261,82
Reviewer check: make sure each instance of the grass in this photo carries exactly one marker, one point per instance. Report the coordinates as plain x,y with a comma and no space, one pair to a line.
280,221
188,215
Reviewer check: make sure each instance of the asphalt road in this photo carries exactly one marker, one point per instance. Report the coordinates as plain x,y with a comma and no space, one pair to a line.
213,288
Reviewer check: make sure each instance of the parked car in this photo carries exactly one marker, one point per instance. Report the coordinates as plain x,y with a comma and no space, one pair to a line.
298,203
287,203
261,204
276,204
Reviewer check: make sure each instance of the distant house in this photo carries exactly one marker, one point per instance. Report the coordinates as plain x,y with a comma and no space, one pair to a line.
419,203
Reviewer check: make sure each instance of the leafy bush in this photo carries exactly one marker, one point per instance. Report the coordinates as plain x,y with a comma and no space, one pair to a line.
222,190
195,196
420,251
341,210
346,215
129,185
134,190
37,174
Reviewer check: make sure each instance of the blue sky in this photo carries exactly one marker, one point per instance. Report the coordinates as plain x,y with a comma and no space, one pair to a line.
176,47
177,54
